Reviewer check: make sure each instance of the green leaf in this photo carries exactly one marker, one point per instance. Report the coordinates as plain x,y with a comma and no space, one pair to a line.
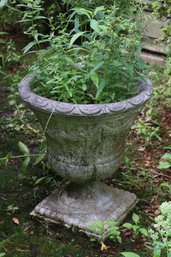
82,11
93,228
3,3
127,225
40,158
75,37
23,148
135,218
2,254
25,164
29,46
165,184
164,165
3,33
99,9
94,25
119,239
100,88
84,87
130,254
39,180
167,157
76,24
40,17
112,223
98,66
144,231
95,78
98,226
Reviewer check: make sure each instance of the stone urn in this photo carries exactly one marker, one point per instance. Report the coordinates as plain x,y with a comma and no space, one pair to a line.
85,145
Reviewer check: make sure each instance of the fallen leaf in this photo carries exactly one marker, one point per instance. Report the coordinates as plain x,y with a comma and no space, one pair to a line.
157,212
141,149
15,220
103,247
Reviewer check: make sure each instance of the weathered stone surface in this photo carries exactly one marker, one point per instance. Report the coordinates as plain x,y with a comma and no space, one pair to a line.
153,26
82,206
152,58
85,144
153,46
153,33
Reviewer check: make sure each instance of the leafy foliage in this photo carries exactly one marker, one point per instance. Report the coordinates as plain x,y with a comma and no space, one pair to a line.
137,229
100,58
161,231
165,162
105,230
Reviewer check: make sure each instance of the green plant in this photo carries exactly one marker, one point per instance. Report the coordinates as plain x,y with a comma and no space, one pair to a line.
9,15
91,3
26,155
100,58
105,230
160,233
165,189
165,162
148,130
136,227
8,53
12,55
11,209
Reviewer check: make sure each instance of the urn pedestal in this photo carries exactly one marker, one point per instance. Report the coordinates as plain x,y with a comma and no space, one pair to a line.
85,144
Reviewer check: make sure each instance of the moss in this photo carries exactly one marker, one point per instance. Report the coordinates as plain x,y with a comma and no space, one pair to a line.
20,245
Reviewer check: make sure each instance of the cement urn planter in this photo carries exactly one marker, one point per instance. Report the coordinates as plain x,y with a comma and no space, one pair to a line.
85,145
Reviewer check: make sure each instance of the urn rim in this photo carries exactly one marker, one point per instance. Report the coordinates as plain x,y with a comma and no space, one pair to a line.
48,105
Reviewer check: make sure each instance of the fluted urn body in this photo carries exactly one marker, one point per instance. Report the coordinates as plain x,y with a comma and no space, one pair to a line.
85,144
